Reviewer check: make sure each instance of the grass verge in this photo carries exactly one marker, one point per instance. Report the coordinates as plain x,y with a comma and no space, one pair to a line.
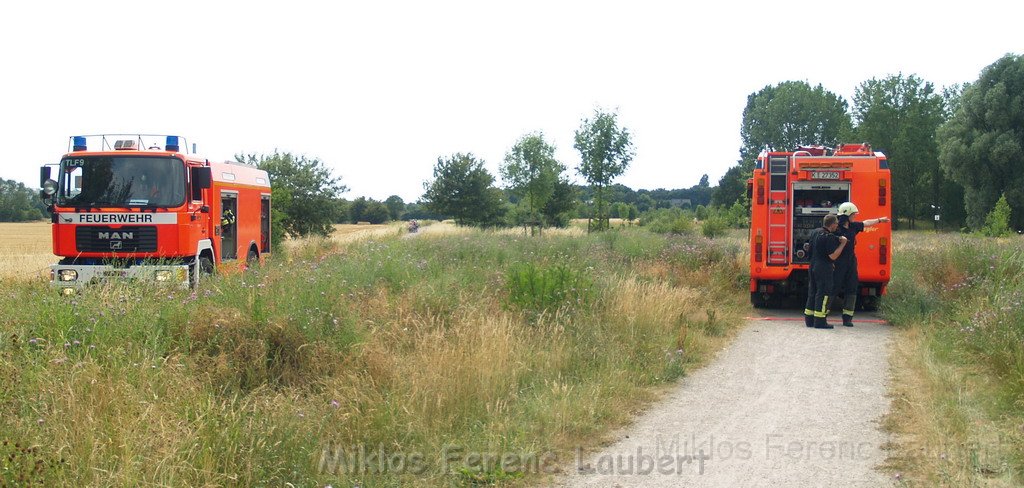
958,392
449,359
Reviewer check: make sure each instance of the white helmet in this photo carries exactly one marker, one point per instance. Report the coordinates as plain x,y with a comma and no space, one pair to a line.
847,208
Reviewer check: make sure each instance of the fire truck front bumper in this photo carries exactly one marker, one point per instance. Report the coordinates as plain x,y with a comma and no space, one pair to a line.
69,278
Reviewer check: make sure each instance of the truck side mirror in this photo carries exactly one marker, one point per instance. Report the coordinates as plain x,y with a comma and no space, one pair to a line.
44,174
202,178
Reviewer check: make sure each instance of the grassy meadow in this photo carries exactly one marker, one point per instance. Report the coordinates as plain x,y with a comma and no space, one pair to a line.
455,357
958,361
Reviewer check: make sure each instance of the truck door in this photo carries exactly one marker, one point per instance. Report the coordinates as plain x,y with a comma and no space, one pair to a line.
778,211
229,225
264,223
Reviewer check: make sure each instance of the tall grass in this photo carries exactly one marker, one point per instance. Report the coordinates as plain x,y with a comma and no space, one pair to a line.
388,349
959,402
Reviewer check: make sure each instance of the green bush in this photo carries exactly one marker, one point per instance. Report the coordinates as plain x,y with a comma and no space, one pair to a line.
997,223
540,288
702,212
668,221
713,227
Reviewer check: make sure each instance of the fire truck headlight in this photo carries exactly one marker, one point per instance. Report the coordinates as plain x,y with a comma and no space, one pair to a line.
67,274
163,274
67,291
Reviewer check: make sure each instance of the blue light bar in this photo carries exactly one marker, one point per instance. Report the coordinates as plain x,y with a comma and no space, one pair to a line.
79,143
172,144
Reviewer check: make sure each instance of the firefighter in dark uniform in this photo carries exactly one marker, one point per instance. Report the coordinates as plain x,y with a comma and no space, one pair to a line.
846,280
826,247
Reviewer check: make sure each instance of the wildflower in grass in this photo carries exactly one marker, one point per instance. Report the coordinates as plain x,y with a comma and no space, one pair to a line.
335,404
76,343
33,341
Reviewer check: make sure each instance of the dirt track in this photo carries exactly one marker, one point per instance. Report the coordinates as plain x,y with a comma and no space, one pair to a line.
783,405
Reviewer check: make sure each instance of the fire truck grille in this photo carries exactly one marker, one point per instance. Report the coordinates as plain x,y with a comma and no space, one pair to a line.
122,239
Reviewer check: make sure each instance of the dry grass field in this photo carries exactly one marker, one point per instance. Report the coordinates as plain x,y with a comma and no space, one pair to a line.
25,250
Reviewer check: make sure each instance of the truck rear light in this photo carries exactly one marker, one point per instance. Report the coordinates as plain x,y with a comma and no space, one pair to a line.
758,248
881,192
883,250
760,191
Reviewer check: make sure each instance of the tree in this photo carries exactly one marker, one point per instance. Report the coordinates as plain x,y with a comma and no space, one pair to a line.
605,153
419,211
304,193
900,115
782,117
561,207
18,203
790,114
396,206
981,147
997,223
375,213
461,188
731,186
369,210
531,171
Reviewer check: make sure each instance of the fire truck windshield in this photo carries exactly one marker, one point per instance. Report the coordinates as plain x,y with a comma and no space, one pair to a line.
111,181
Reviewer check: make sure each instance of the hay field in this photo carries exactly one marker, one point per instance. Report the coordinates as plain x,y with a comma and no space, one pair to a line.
25,250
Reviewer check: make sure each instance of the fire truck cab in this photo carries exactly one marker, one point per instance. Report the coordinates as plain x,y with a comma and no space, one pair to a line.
790,193
142,207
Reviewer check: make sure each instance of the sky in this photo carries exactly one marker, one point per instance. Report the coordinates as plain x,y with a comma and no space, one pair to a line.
378,91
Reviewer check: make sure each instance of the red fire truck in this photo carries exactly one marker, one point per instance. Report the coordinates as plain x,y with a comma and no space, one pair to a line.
143,207
790,192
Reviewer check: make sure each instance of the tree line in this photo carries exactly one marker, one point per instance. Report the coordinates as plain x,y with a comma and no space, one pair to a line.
953,152
19,203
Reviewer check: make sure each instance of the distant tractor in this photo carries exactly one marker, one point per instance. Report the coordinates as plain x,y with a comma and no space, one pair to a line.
790,192
141,207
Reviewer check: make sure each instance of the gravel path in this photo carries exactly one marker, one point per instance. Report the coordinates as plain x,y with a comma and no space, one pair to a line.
783,405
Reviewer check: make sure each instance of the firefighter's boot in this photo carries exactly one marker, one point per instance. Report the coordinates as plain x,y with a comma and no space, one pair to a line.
847,320
809,319
821,323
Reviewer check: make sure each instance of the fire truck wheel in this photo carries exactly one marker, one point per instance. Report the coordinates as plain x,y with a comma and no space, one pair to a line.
205,270
869,304
760,300
253,259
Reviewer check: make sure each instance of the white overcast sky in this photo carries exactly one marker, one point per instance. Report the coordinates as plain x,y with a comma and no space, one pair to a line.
379,90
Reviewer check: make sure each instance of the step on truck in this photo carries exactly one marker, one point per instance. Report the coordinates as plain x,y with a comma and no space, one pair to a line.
790,192
143,207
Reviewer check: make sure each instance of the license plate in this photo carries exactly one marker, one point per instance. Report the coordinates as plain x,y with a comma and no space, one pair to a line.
824,175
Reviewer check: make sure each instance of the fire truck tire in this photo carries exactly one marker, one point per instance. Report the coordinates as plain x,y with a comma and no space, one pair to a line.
760,300
205,270
253,258
869,304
